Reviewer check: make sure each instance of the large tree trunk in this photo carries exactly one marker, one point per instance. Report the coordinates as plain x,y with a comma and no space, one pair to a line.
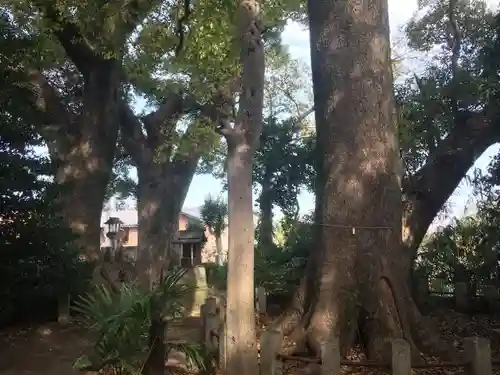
84,157
242,140
81,138
240,318
354,280
162,189
160,199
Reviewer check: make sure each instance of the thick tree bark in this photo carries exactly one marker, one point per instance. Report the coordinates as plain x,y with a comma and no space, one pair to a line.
353,281
242,140
84,158
163,185
160,199
81,144
162,189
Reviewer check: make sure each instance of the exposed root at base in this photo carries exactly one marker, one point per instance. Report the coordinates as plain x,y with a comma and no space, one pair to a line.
372,331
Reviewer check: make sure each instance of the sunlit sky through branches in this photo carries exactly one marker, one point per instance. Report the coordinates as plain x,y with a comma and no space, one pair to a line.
297,38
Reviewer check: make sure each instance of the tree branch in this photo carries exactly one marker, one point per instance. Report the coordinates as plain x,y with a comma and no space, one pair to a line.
133,138
185,161
296,122
46,99
126,15
77,47
431,186
219,110
161,123
252,59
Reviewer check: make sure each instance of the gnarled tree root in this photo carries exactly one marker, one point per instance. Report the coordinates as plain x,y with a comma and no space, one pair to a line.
389,313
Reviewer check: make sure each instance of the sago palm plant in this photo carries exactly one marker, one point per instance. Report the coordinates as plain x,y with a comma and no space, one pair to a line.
120,321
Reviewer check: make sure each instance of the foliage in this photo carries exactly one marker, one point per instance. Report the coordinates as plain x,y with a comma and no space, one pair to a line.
431,101
279,268
217,275
38,264
157,61
121,186
469,246
214,214
120,322
283,163
456,252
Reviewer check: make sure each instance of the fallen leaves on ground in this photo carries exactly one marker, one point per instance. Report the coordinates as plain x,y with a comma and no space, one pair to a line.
454,328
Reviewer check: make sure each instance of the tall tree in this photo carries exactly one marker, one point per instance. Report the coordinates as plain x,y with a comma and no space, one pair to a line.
166,145
242,139
214,214
282,166
355,277
281,161
72,64
38,265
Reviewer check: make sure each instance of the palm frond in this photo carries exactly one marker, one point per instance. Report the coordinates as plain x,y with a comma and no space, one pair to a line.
120,321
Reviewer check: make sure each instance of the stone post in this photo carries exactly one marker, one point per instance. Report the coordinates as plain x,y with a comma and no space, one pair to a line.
478,356
330,357
270,344
400,357
211,323
222,347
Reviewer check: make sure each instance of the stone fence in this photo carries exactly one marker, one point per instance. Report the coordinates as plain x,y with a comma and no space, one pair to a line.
464,295
477,358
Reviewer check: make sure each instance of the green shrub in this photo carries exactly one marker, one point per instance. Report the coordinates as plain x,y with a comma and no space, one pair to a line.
120,322
280,268
277,268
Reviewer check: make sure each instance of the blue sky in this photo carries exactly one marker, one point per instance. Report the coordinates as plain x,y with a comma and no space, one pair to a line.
297,38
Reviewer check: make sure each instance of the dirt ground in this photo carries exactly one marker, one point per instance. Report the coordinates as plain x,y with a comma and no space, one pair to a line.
51,349
45,350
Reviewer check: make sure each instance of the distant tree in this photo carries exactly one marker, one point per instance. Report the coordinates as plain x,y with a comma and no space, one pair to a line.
214,214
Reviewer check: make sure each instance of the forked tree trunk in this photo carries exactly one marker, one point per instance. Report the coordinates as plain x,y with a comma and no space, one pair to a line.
163,184
159,205
160,199
354,280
